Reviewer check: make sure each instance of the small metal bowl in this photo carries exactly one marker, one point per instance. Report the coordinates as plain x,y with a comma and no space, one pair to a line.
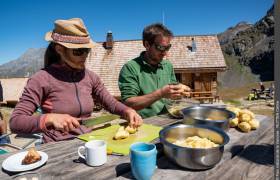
175,106
193,158
206,115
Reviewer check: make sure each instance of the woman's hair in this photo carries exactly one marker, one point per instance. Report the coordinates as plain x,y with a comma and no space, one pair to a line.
51,56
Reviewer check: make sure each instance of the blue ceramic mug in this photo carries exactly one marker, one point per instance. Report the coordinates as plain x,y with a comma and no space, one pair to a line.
143,160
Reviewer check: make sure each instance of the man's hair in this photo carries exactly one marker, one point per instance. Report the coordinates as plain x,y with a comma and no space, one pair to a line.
152,31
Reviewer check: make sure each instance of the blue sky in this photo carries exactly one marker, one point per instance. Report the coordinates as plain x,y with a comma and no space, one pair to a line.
25,22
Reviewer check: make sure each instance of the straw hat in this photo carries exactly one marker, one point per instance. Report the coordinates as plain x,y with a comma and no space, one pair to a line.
70,33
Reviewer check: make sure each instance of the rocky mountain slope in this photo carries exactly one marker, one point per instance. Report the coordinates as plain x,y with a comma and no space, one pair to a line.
252,46
26,65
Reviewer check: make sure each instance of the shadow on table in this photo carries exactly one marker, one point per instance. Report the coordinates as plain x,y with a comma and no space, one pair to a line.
15,174
123,170
165,163
261,154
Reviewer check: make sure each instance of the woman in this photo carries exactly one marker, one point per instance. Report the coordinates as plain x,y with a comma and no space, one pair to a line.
65,89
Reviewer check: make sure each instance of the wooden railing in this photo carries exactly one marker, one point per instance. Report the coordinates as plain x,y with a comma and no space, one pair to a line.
203,96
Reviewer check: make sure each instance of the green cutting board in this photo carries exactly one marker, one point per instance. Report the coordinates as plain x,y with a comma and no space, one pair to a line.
145,133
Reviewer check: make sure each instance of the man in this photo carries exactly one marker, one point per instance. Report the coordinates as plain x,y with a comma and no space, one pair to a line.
147,80
1,92
262,87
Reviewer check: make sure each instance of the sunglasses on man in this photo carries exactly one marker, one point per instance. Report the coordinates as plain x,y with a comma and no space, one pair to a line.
80,51
162,48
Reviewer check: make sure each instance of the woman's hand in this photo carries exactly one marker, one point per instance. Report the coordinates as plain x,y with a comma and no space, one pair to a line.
134,119
62,122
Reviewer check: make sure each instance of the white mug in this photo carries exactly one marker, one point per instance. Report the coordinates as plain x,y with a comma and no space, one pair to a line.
95,152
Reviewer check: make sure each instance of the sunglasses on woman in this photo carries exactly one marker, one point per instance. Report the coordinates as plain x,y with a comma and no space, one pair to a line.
80,51
162,48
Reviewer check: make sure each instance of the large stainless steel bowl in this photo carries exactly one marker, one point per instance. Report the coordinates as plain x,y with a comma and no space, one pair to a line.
193,158
205,115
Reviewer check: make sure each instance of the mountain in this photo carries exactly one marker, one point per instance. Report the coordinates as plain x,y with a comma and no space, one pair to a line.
26,65
249,51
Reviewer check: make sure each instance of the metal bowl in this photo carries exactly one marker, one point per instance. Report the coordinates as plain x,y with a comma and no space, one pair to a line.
175,106
193,158
205,115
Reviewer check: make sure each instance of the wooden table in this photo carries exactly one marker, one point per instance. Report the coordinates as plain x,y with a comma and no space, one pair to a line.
246,156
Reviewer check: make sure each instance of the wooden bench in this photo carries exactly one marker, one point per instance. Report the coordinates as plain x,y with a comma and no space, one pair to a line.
201,93
202,99
203,96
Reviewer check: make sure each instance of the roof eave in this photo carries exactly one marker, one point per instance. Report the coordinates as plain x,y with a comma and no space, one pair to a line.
202,69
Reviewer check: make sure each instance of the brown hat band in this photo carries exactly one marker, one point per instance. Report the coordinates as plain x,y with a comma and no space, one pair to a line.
70,39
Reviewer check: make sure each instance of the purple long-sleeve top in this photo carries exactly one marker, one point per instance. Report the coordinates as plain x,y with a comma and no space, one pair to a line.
70,92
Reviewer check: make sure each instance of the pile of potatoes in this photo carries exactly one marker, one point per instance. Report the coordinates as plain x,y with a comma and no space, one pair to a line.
124,132
245,119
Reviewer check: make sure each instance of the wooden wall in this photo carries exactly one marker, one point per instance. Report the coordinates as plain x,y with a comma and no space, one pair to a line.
206,81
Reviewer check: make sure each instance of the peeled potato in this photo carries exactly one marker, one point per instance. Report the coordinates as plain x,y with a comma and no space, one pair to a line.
184,87
131,130
196,142
254,124
175,111
121,128
244,126
185,90
121,134
233,122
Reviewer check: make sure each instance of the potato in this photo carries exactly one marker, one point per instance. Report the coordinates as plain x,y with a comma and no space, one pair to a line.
233,122
176,111
235,110
185,90
196,142
246,111
254,124
245,117
121,134
130,129
244,126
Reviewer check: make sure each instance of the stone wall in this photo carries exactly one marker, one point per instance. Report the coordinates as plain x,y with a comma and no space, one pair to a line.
12,88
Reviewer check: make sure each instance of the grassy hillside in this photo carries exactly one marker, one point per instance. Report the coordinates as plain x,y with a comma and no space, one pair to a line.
227,93
237,75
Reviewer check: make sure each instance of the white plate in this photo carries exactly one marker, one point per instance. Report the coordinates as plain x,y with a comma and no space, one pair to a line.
13,163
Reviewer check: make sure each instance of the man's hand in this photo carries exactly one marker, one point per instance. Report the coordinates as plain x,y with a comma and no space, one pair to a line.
175,91
186,90
62,122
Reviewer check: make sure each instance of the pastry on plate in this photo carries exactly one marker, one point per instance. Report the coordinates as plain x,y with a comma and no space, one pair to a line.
31,157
